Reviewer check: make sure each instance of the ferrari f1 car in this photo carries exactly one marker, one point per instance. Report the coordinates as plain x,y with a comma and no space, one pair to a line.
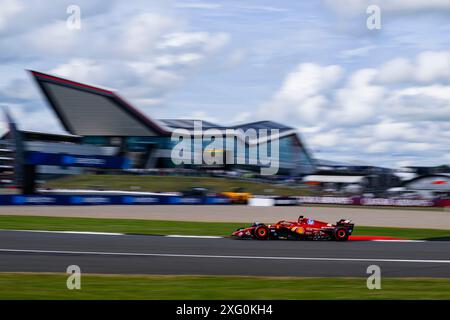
302,229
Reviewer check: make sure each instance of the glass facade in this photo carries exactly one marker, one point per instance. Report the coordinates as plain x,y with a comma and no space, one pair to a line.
155,152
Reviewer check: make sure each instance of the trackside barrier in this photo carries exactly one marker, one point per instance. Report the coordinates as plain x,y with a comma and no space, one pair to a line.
443,202
261,202
376,201
286,201
273,201
60,199
327,200
15,200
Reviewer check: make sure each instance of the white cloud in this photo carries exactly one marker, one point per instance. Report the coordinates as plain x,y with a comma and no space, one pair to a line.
197,5
242,117
307,80
193,39
326,139
419,103
85,70
170,60
359,101
262,8
355,7
301,93
433,66
9,9
120,34
202,115
389,130
396,70
237,56
356,52
142,32
388,114
55,38
144,52
428,67
17,89
34,116
415,5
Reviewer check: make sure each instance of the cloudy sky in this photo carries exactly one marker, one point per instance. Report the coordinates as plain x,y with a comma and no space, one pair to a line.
366,96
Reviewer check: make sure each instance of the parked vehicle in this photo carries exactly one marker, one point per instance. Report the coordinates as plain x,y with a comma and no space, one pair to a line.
237,195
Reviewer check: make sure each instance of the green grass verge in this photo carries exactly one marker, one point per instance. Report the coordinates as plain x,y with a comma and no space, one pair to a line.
177,227
129,226
168,183
407,233
106,287
322,205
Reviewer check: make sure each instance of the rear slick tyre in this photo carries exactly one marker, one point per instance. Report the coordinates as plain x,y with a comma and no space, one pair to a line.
341,234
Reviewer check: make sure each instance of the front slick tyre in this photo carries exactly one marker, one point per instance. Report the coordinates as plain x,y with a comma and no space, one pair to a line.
341,234
261,233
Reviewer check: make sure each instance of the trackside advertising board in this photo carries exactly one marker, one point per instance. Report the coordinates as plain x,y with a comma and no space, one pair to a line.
376,201
70,160
80,199
18,200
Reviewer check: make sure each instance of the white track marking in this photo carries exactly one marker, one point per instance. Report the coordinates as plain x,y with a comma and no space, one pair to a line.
69,232
202,237
175,255
393,240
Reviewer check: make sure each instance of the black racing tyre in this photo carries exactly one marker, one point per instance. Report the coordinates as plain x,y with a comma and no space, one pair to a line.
261,232
341,234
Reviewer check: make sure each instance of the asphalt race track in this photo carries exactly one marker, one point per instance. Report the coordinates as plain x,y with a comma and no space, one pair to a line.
136,254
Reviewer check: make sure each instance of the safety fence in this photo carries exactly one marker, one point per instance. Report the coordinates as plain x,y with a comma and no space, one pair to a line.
110,200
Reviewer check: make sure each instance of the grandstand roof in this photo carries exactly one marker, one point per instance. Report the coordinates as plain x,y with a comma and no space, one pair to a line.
187,123
88,110
264,125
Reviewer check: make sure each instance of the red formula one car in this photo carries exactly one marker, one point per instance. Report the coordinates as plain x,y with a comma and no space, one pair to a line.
302,229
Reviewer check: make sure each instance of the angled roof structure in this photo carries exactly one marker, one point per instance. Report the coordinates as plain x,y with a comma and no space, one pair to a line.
87,110
265,124
187,123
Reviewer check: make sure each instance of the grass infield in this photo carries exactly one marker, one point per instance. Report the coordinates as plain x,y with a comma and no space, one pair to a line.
111,287
168,183
179,183
160,227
